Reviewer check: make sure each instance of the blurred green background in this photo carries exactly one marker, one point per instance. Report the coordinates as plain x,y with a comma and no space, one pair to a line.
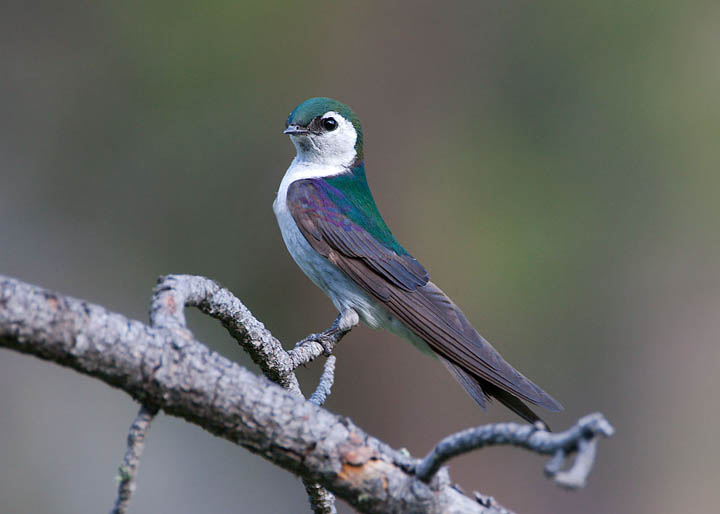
553,164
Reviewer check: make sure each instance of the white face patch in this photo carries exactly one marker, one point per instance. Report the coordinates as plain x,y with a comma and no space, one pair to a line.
334,148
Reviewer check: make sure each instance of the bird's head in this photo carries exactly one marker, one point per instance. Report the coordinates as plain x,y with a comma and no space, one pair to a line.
325,132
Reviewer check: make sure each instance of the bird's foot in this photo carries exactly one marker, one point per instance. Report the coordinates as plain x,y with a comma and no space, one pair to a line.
327,342
325,339
344,323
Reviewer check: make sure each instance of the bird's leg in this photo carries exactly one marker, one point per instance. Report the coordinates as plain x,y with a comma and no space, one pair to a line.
344,323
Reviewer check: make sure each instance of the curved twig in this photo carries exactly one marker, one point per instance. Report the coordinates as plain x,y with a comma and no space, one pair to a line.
175,292
578,439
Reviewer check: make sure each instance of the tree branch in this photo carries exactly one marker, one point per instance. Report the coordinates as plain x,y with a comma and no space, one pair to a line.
169,369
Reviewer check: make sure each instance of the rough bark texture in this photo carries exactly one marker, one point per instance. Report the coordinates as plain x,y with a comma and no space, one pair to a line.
164,367
175,292
168,369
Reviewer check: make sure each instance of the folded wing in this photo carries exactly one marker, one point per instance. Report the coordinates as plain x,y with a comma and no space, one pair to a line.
402,284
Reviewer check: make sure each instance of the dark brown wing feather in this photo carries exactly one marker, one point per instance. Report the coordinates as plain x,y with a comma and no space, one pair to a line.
325,221
423,308
437,320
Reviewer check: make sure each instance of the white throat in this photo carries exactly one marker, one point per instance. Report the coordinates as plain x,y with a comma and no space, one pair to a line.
319,155
300,170
336,148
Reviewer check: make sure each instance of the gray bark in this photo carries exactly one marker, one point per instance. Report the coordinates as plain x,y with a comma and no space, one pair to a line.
164,367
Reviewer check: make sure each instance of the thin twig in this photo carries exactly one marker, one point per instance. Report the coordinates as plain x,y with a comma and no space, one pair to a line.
129,467
326,382
563,444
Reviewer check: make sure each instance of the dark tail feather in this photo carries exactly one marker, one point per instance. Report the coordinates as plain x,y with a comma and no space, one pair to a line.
481,390
468,382
513,403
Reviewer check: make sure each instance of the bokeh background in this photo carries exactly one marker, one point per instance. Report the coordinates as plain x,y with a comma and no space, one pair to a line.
553,164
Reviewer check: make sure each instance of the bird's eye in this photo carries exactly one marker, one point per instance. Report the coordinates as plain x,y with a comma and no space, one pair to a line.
329,124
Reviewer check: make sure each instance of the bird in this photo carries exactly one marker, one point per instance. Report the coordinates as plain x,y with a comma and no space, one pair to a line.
333,230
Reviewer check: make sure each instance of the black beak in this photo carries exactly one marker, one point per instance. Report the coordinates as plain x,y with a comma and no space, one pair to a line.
295,130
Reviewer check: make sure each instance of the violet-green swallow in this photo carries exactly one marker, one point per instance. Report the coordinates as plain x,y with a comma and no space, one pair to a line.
334,232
